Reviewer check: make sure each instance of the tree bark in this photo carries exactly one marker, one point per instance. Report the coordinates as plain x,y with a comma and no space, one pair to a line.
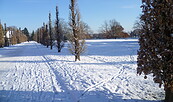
169,95
59,46
77,57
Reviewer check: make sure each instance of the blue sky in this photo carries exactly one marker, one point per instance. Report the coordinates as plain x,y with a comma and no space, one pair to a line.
32,13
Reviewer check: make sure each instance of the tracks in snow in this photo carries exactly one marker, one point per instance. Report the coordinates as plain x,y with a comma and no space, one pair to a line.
56,79
100,84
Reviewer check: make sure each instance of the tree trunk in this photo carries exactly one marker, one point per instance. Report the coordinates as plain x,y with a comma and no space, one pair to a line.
169,95
77,52
59,45
77,57
51,47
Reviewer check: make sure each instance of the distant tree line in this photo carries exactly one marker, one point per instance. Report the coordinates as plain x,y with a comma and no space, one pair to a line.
52,33
112,29
12,35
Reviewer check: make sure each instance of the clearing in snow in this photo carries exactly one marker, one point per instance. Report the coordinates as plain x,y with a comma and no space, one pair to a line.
30,72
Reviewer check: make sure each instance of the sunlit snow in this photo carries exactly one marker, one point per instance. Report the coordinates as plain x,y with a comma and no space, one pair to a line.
30,72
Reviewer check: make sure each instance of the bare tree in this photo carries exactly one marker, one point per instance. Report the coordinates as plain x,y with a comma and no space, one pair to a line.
85,29
47,37
77,44
38,33
156,44
50,31
111,29
59,34
43,34
137,28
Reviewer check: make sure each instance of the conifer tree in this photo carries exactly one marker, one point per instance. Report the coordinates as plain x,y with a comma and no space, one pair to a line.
156,44
1,36
32,35
50,31
25,31
77,44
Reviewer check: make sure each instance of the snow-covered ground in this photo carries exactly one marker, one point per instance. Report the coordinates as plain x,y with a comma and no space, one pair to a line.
30,72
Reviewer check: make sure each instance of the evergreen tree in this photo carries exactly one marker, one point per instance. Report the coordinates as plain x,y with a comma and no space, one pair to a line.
50,31
77,44
32,35
25,31
156,44
1,36
59,36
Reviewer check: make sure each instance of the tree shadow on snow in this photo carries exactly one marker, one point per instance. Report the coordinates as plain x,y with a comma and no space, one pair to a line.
71,96
120,48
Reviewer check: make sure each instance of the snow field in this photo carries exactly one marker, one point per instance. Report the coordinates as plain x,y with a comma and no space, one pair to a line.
106,73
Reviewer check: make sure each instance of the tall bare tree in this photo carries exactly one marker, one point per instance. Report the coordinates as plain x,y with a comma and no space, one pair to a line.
77,44
47,38
50,31
44,35
59,36
156,44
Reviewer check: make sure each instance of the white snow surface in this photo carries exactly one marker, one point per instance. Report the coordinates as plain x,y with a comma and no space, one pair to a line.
30,72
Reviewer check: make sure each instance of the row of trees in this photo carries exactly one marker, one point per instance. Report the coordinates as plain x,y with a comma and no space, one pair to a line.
52,34
56,34
75,31
17,36
3,36
11,35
